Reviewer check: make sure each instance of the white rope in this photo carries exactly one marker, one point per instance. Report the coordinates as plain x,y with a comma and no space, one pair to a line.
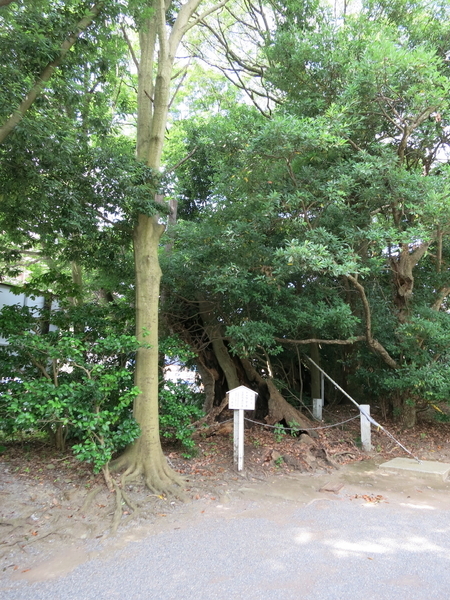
368,417
299,427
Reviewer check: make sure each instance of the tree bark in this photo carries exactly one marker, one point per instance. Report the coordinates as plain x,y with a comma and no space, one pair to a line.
404,278
279,408
145,456
213,330
209,384
404,411
441,296
315,373
371,341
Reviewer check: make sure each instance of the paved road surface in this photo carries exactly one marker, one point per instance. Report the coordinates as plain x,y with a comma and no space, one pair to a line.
264,547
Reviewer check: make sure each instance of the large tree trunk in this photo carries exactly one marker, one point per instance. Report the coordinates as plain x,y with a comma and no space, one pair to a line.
145,456
279,408
213,330
404,411
209,385
402,268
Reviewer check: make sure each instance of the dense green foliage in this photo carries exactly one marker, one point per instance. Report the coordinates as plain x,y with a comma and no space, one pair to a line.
76,387
179,406
330,220
318,226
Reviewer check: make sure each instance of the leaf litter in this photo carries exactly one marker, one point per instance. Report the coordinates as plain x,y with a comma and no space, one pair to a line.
66,503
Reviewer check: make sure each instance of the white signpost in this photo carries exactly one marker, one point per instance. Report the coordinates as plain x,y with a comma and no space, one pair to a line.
240,399
366,441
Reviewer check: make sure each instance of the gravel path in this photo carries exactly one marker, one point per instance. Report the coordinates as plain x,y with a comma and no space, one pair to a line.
329,549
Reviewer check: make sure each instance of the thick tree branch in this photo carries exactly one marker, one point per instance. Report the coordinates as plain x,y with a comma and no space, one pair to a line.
417,254
373,343
130,47
182,24
206,13
160,12
182,161
47,73
442,294
359,338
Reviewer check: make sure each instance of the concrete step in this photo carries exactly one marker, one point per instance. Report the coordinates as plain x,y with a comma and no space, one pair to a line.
425,467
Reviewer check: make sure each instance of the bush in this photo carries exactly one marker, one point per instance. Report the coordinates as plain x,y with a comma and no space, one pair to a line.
179,406
76,386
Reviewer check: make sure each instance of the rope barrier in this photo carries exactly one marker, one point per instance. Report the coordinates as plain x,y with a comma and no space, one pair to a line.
368,417
299,427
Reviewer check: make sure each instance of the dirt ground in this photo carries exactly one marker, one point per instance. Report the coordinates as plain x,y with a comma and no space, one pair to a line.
54,511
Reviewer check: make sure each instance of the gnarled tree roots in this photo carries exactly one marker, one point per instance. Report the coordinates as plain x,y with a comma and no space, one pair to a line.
157,475
152,469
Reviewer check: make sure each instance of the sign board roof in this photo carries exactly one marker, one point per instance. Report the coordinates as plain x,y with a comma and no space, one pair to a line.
241,398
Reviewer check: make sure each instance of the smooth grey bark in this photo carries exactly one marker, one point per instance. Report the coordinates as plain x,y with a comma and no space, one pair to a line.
158,47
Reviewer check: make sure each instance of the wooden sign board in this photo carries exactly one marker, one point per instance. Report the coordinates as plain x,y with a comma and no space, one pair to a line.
241,398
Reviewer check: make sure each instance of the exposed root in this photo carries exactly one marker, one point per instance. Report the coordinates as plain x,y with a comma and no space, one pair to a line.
151,467
118,512
23,545
107,477
134,515
121,496
155,471
15,523
212,415
131,474
130,504
89,498
120,463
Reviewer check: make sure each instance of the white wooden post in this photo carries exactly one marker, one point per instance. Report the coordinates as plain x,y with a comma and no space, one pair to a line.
366,440
317,408
238,436
240,399
322,387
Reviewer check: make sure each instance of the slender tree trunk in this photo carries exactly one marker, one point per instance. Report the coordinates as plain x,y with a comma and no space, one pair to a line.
315,373
209,385
213,330
77,279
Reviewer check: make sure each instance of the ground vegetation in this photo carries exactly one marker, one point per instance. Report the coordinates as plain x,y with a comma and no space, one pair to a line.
299,209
